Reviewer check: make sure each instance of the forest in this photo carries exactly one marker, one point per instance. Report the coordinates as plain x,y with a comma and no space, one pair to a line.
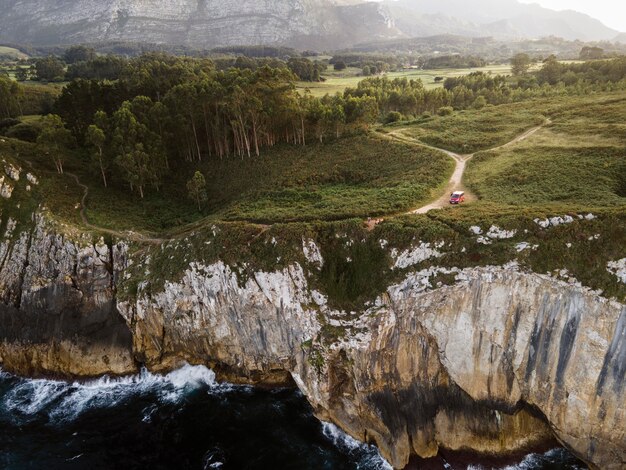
157,113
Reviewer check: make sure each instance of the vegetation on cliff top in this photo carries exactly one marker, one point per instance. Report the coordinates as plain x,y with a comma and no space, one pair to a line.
295,158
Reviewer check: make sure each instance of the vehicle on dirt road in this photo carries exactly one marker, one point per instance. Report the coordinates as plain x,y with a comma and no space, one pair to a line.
457,197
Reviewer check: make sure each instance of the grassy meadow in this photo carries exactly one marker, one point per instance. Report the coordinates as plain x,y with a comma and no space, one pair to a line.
469,131
577,161
358,176
12,53
337,82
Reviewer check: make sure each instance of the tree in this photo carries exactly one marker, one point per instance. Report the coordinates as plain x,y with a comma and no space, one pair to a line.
520,64
22,74
49,69
138,168
76,54
10,92
551,71
591,53
95,138
54,140
340,65
196,189
367,71
138,151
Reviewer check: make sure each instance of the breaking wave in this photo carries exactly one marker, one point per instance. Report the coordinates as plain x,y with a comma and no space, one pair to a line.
369,459
182,420
63,402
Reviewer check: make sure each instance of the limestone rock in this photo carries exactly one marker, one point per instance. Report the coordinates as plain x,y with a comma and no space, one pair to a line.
199,23
6,188
498,362
57,306
462,365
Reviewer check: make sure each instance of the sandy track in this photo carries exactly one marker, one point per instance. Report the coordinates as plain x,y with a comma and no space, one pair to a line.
455,183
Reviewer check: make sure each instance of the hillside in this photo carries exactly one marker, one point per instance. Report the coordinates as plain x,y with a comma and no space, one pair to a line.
204,23
304,24
502,19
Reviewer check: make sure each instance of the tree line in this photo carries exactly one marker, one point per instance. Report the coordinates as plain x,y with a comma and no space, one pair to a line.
165,112
83,62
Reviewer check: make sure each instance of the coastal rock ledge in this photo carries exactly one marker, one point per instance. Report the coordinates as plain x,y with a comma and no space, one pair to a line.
498,362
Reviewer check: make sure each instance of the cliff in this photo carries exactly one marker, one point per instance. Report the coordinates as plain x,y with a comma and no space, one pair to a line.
305,24
497,361
58,313
416,337
198,23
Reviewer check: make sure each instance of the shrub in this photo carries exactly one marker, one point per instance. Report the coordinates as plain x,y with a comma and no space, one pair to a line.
479,103
445,111
7,123
393,116
24,131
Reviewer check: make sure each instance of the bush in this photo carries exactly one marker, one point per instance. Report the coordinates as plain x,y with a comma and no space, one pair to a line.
23,131
393,116
479,103
445,111
341,65
7,123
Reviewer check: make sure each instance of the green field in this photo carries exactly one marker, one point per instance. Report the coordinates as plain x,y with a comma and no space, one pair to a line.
337,82
469,131
12,53
577,161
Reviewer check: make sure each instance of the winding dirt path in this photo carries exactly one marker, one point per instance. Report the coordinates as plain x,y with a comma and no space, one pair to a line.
128,235
455,183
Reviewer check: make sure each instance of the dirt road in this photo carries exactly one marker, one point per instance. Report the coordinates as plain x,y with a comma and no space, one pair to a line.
456,180
454,184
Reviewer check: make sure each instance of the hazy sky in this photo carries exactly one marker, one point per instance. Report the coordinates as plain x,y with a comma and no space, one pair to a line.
611,12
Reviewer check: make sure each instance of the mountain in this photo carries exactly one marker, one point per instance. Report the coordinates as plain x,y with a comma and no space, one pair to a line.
304,24
504,19
198,23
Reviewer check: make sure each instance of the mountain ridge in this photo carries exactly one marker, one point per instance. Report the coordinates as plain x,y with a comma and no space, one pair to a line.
303,24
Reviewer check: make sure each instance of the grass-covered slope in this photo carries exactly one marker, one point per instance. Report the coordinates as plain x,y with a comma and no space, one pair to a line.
469,131
577,161
352,177
358,176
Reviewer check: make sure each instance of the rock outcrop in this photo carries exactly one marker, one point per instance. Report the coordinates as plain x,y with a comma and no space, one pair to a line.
499,361
483,364
58,312
198,23
306,24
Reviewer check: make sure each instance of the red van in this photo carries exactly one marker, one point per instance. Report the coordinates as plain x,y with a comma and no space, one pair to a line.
457,197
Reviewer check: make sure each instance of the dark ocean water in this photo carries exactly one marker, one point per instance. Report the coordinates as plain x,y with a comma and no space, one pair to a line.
184,420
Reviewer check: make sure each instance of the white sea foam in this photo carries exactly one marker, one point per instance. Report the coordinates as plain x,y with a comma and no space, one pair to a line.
372,460
64,401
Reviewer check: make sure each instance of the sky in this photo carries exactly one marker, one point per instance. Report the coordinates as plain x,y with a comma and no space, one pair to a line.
611,12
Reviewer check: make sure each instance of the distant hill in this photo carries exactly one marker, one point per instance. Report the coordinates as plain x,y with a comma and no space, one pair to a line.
504,19
303,24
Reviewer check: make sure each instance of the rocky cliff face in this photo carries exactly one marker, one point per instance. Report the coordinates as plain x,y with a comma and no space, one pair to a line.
199,23
58,313
499,361
322,24
483,364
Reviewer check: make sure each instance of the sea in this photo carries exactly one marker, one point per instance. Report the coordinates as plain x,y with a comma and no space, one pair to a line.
185,420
